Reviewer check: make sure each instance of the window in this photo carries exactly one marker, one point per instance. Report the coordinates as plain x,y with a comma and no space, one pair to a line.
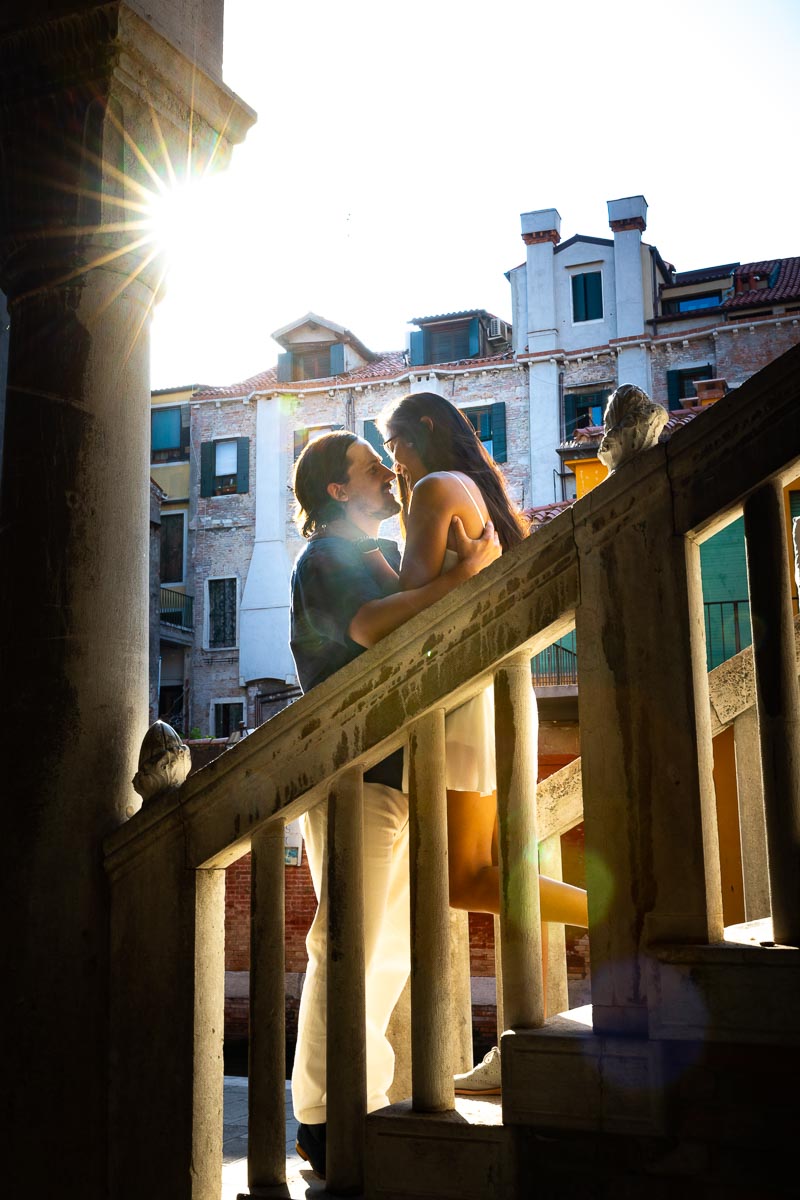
172,560
582,409
169,434
447,342
221,613
489,422
682,304
312,362
587,296
225,467
227,715
307,434
680,383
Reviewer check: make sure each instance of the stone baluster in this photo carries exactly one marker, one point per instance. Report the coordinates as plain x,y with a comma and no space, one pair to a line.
752,828
346,1041
777,701
521,933
557,994
431,1043
266,1100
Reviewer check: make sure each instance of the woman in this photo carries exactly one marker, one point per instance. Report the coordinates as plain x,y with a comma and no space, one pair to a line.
445,472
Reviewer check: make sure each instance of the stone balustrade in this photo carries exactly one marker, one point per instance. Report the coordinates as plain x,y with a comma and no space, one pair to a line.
622,566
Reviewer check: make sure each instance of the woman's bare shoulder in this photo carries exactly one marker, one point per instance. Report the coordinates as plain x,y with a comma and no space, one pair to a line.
436,486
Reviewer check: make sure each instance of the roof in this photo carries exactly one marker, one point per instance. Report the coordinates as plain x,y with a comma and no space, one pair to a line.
702,275
342,334
543,513
786,285
387,366
583,237
454,316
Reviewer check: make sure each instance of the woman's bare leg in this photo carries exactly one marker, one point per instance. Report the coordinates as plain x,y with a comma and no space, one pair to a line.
475,879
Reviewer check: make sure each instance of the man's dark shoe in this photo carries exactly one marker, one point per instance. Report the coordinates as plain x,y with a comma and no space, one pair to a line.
310,1144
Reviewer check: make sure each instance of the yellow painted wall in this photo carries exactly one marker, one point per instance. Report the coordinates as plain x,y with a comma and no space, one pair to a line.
588,473
730,848
173,478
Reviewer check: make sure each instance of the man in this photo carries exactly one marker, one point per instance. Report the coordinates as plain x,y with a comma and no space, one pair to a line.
345,599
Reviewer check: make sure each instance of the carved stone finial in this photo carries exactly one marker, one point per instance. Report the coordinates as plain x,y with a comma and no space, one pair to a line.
632,423
164,762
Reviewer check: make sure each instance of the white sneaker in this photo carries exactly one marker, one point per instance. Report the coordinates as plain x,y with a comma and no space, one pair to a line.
483,1080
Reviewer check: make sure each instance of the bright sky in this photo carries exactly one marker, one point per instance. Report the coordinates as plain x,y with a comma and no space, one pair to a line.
397,144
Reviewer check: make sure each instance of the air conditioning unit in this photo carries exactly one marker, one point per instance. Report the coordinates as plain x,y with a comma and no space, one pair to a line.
498,330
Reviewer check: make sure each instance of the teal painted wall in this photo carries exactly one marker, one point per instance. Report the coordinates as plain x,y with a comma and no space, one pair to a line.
724,571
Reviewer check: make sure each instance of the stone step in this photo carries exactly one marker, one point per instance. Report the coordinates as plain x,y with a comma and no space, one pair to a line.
459,1155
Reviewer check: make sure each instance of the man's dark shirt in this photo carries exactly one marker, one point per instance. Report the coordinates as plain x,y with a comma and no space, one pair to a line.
330,583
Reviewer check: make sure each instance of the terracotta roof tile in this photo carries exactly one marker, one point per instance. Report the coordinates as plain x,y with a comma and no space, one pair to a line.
785,287
388,366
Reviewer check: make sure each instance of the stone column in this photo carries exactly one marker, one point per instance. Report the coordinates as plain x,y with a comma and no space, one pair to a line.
87,98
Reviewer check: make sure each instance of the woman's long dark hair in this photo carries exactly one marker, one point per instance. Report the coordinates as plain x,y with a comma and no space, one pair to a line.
451,444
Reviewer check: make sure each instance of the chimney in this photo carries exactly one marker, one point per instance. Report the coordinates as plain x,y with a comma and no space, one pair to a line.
628,220
541,233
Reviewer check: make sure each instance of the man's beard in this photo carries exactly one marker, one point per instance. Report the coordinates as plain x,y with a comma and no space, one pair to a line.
391,506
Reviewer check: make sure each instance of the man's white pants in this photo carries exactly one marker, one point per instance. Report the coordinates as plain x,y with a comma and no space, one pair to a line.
386,949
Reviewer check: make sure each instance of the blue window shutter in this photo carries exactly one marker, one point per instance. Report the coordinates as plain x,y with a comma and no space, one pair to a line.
474,337
417,348
375,438
594,296
285,367
499,432
337,359
207,469
242,465
300,440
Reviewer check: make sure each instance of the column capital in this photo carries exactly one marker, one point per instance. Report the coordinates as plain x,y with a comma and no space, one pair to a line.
99,113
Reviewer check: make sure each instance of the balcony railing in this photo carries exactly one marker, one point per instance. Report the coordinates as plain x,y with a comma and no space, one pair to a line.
622,567
557,666
177,609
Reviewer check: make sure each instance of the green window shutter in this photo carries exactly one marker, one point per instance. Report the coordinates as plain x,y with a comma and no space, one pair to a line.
578,298
474,338
337,359
794,504
207,469
300,440
594,296
373,435
570,414
242,465
416,344
499,432
673,390
285,367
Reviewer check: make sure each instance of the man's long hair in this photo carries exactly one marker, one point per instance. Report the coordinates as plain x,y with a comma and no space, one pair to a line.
451,444
323,461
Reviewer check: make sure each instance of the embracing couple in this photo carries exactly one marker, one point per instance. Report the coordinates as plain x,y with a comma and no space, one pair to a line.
351,588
